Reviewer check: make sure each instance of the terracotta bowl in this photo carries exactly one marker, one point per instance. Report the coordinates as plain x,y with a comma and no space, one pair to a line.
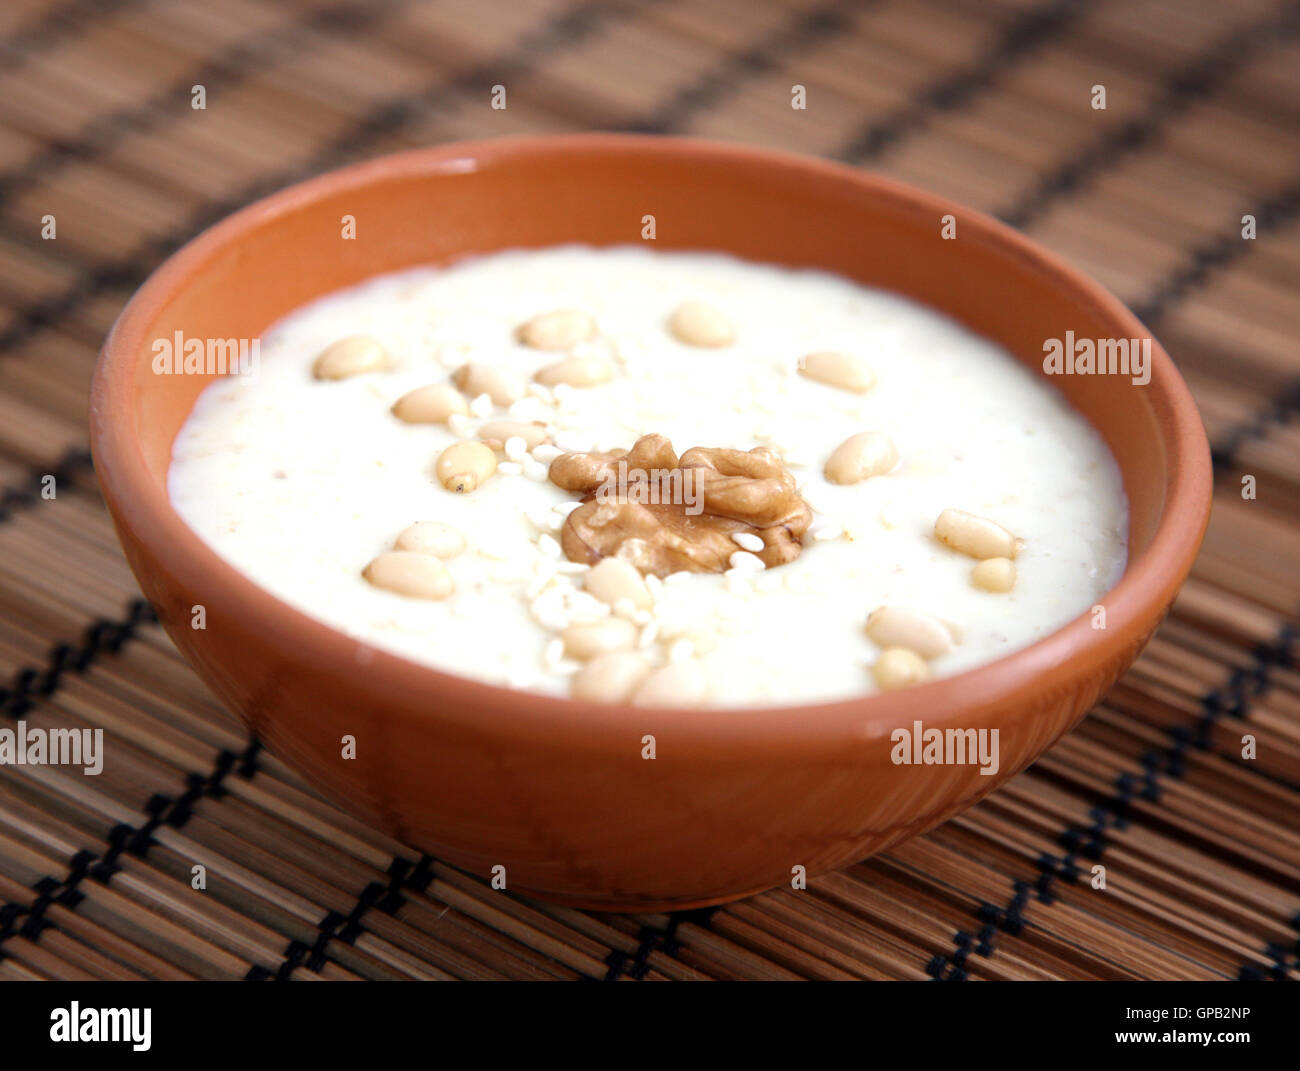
556,791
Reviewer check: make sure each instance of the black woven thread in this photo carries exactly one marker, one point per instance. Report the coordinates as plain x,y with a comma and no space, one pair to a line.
1203,262
1218,252
1199,79
1089,842
379,123
30,921
1251,973
403,876
803,30
650,938
1024,34
12,499
174,811
251,55
1279,954
54,25
100,637
1279,412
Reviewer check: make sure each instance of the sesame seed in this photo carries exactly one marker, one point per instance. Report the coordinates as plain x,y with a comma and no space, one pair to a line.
539,583
738,583
527,408
681,650
574,443
494,548
745,562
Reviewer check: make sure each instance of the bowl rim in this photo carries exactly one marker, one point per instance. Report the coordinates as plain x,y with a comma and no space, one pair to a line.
983,695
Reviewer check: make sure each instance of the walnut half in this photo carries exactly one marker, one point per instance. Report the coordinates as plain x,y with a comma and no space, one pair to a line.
664,514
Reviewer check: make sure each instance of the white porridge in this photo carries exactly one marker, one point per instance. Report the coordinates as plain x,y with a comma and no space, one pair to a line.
916,502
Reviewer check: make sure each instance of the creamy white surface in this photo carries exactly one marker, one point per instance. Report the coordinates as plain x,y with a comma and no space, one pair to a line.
298,483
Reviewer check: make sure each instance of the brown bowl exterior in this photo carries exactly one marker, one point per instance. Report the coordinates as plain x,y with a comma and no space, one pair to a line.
556,791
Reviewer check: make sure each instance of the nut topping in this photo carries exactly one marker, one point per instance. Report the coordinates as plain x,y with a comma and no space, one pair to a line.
664,515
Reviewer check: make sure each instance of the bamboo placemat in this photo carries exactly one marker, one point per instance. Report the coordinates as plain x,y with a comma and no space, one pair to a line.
986,101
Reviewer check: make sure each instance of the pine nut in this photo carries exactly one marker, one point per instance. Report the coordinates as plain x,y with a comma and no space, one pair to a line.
432,404
475,379
417,576
680,684
613,579
431,537
994,574
464,466
847,371
861,456
495,433
586,641
576,372
698,324
350,356
977,536
557,330
610,677
897,667
894,626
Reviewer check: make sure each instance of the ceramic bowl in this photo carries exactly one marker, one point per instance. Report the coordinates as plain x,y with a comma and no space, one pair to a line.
553,790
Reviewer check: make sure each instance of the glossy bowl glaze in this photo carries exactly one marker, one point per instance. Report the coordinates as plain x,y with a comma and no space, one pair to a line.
557,791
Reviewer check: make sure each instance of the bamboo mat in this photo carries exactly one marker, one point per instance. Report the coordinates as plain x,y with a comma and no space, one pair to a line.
985,101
